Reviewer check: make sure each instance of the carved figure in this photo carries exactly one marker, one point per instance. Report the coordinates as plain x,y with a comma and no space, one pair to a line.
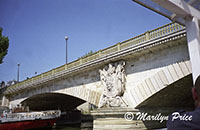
113,80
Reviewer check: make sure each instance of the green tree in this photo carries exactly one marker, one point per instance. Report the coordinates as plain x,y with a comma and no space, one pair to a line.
87,54
4,43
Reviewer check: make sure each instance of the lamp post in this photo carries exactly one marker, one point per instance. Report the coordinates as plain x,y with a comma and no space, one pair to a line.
66,38
18,65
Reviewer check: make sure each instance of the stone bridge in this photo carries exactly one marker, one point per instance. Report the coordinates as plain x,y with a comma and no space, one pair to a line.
157,74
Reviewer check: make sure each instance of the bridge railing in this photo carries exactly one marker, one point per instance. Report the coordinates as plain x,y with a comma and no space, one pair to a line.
149,35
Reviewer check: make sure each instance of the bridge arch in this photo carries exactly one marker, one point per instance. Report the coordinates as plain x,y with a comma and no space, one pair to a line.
169,80
52,101
81,94
85,94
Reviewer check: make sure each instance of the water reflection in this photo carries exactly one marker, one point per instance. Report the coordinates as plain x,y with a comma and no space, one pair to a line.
67,127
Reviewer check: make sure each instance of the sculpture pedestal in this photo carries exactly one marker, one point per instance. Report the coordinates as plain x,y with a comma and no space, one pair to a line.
114,119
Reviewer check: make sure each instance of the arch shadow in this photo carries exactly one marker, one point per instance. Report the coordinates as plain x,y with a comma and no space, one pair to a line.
52,101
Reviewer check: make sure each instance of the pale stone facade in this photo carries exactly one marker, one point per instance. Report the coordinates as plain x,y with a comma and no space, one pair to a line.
165,59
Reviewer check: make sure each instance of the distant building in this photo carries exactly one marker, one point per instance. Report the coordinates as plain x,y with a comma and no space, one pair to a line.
11,82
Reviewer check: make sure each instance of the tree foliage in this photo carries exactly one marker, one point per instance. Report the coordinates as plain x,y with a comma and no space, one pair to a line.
4,44
87,54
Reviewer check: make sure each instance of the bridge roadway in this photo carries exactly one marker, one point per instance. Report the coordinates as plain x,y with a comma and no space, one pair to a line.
157,70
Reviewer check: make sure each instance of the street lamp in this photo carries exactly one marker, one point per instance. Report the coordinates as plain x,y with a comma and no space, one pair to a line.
66,38
18,65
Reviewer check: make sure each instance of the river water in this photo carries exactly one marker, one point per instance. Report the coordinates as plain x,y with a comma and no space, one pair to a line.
66,128
75,127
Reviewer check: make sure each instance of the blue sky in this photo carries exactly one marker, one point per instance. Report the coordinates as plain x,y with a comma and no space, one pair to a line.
37,30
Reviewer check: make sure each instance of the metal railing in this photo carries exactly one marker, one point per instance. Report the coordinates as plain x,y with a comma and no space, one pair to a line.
149,35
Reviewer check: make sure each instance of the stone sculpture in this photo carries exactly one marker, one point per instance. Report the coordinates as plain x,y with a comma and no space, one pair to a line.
113,80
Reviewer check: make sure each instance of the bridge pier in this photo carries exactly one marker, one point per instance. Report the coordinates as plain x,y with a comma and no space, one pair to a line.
130,118
5,101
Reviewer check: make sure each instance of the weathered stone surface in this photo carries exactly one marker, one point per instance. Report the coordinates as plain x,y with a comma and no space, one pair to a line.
114,118
113,80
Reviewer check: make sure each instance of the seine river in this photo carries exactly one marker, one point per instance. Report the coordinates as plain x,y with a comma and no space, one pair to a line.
66,128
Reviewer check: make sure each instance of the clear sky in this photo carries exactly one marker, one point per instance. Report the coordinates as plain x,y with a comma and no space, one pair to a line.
37,30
